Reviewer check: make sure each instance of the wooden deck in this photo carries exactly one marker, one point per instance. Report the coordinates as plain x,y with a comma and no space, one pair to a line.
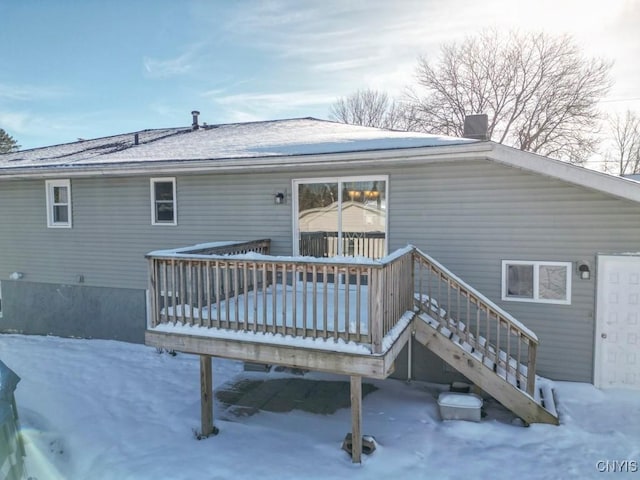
350,316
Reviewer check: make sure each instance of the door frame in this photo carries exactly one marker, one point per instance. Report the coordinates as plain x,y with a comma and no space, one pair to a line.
339,180
600,320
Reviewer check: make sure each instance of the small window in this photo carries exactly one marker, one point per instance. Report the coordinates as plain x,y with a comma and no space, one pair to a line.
58,203
163,201
542,282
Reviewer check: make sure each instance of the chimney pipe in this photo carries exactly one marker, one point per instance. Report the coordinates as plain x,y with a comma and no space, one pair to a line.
194,125
476,127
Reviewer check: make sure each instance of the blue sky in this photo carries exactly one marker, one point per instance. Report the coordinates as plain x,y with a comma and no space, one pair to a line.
83,69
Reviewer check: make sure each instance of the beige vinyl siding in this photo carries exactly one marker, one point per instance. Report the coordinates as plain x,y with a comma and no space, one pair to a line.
469,215
112,228
472,216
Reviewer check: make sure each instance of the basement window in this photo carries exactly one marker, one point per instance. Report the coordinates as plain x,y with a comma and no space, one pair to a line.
58,203
163,201
536,281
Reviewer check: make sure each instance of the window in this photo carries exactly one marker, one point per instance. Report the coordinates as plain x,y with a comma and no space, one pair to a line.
542,282
341,216
163,201
58,203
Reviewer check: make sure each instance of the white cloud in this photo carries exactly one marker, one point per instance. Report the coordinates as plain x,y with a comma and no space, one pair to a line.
15,121
10,92
170,67
251,106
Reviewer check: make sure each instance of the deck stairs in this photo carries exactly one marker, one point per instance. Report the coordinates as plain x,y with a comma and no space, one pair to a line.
500,367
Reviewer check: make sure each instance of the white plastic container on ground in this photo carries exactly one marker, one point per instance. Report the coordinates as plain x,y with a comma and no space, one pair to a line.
460,406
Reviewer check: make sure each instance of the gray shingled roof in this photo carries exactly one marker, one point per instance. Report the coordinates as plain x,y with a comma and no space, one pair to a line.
302,136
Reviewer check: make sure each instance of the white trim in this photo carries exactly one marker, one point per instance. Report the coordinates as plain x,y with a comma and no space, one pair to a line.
536,264
152,182
50,185
339,181
0,298
610,184
600,324
389,157
603,182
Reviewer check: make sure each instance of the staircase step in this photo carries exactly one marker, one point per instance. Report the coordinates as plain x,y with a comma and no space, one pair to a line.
484,372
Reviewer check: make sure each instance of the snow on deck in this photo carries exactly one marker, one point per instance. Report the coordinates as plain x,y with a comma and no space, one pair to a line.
255,301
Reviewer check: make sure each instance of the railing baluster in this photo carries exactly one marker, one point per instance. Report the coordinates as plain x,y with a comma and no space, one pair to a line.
305,273
531,369
519,362
165,283
246,288
294,301
208,287
284,299
264,297
255,297
358,302
325,327
218,295
508,348
274,298
336,282
347,294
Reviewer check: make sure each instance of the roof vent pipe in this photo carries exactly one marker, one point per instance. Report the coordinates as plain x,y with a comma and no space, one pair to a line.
476,127
194,125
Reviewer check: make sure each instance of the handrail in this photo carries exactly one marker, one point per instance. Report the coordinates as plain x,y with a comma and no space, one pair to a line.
353,299
329,243
239,286
476,321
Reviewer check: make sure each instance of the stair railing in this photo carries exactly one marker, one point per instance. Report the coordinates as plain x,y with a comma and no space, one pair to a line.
475,322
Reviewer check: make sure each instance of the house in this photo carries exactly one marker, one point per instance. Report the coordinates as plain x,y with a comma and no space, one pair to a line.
95,234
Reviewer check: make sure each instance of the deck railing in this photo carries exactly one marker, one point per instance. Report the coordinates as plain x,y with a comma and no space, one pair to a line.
476,323
357,244
240,288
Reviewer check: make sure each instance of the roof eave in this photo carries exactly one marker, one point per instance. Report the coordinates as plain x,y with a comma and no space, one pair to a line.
281,162
603,182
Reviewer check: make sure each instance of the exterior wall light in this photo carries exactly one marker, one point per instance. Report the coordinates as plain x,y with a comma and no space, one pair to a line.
584,271
16,275
280,198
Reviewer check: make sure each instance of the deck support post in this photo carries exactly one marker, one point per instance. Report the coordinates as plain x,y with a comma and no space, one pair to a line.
410,359
206,396
356,419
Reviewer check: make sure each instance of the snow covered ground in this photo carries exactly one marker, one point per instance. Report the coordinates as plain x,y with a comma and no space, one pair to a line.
93,409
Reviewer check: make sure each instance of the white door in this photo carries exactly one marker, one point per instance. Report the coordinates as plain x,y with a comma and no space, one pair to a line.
617,343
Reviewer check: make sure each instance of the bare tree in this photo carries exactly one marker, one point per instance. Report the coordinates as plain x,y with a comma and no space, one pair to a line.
369,108
539,91
624,159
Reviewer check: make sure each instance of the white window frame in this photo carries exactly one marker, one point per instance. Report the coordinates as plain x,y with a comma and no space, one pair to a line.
536,281
50,186
152,183
339,180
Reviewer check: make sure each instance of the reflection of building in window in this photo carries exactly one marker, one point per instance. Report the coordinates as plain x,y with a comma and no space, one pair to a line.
536,281
58,203
342,217
520,283
356,217
163,201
